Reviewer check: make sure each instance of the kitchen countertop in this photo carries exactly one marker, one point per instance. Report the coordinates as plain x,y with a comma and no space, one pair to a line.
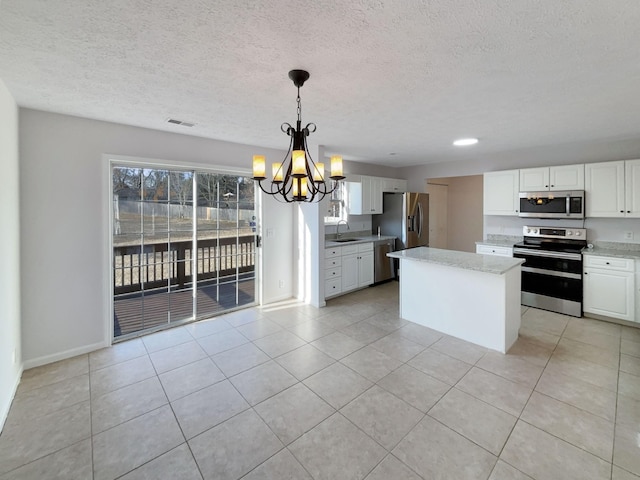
497,243
612,252
360,239
465,260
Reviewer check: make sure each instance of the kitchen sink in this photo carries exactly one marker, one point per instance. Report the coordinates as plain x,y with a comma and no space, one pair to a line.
344,240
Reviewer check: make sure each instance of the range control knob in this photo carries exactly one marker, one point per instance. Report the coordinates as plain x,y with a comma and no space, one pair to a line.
569,232
528,230
578,233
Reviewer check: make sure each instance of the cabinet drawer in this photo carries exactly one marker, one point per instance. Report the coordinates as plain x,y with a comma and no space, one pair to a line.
332,262
332,287
349,249
492,250
365,247
332,273
609,263
332,252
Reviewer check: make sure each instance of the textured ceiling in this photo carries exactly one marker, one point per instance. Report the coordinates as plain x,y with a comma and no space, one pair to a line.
390,76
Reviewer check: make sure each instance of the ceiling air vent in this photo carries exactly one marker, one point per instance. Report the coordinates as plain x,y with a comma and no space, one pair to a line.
180,122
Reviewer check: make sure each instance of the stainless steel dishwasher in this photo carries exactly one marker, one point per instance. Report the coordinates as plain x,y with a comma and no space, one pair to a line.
383,266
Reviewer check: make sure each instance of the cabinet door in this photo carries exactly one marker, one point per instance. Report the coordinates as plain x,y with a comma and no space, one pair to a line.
365,269
604,189
354,198
349,272
632,188
609,293
534,179
566,177
500,195
376,194
366,194
394,185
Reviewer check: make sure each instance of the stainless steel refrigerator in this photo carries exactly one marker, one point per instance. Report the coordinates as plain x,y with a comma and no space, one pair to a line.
406,217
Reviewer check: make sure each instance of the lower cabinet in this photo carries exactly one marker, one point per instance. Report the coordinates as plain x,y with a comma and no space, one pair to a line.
609,287
348,268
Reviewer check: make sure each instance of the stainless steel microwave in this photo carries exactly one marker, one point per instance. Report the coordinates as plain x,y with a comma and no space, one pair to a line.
566,204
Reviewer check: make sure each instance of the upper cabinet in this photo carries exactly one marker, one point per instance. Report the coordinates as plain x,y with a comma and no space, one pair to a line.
501,192
365,196
394,185
612,189
365,193
564,177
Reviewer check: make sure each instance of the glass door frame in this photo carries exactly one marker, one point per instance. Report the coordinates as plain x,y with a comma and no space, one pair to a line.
112,161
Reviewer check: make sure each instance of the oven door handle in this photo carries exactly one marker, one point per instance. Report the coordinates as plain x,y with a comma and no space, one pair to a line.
526,251
553,273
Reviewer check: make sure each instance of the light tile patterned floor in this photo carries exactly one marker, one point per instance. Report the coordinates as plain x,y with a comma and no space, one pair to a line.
349,391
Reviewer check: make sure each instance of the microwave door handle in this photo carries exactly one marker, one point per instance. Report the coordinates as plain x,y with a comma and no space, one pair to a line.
568,205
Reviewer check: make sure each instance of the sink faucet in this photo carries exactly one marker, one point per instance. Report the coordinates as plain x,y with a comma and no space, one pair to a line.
338,227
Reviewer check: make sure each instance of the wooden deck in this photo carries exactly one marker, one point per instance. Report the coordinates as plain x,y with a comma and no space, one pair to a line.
137,312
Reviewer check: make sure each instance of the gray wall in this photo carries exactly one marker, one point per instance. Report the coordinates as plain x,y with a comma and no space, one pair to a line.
478,162
64,178
10,350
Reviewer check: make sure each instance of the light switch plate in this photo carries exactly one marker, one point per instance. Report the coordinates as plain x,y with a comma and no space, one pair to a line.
628,235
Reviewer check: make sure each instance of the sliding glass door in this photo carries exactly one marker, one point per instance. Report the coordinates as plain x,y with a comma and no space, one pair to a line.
183,246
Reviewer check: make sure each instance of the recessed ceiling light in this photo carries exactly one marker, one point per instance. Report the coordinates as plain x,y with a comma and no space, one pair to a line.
463,142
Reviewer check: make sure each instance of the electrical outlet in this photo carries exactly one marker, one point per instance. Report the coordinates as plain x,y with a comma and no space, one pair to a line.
628,235
281,284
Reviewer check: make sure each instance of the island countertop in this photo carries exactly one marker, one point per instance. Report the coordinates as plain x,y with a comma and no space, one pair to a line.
468,261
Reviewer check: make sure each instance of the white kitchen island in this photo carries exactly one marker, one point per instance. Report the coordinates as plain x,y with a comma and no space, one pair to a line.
469,296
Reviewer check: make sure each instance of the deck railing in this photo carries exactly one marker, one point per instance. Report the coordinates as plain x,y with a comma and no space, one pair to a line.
157,265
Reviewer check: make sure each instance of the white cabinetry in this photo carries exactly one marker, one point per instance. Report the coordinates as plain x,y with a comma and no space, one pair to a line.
348,268
612,189
494,250
394,185
632,188
563,177
365,264
500,194
609,286
365,196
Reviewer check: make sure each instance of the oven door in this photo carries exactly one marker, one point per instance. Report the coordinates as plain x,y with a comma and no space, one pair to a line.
552,274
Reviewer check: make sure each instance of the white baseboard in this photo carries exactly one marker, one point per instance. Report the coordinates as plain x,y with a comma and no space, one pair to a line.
5,409
280,298
55,357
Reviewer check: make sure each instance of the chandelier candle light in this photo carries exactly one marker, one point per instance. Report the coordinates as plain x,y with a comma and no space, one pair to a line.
298,178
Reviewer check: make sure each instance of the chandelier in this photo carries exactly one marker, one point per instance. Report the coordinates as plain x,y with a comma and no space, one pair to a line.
298,178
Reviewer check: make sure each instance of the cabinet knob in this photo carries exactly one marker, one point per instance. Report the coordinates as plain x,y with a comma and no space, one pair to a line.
546,186
628,211
607,263
621,211
585,273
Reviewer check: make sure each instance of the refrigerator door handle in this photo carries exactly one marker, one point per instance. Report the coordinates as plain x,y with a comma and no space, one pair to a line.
421,220
411,227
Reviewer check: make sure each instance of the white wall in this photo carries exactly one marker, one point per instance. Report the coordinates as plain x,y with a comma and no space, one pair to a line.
598,229
63,187
10,351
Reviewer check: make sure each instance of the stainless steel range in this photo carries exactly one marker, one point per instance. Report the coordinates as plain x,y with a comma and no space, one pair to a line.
552,271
